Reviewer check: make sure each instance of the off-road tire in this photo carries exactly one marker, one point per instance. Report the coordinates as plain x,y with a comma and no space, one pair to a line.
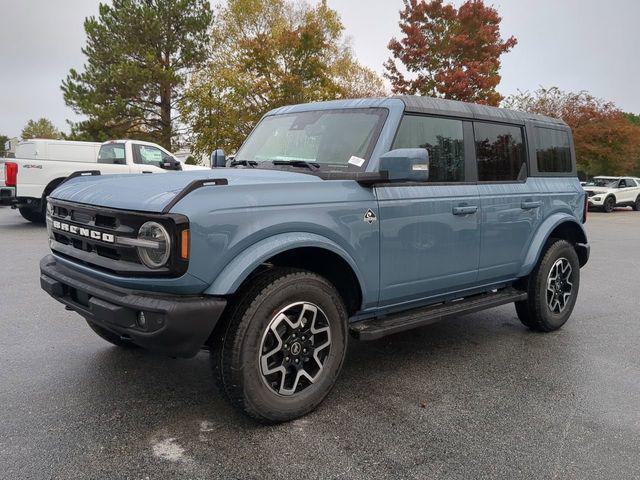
111,337
636,204
31,215
535,312
609,204
235,348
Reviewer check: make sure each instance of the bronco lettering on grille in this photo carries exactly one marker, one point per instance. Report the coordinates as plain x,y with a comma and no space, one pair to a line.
83,232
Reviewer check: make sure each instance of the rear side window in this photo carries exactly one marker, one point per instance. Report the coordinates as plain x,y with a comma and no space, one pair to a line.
112,153
500,152
443,139
553,150
631,182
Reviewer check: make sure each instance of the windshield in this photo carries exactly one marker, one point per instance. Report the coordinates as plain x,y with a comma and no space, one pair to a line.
329,138
112,153
604,182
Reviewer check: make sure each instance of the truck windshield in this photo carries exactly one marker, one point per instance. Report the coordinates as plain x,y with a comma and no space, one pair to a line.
329,138
112,153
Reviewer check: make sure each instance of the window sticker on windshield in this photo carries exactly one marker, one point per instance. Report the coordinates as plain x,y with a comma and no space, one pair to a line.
357,161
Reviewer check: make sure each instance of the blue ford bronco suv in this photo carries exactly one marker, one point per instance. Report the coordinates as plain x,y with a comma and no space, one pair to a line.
362,217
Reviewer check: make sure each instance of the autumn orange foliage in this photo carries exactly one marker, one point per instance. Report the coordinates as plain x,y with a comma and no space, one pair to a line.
607,142
448,52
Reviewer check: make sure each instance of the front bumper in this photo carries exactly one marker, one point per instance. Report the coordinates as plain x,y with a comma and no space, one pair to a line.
592,202
7,195
175,325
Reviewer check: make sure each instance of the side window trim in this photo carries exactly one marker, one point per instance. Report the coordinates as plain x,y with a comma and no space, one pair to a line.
471,165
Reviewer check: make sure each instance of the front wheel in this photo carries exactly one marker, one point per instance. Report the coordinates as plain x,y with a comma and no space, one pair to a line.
283,345
552,289
34,216
609,204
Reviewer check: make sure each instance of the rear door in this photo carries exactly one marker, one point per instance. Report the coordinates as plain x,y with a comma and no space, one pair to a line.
510,203
112,158
430,232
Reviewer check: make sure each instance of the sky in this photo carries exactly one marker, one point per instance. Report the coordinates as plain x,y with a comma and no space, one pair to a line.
573,44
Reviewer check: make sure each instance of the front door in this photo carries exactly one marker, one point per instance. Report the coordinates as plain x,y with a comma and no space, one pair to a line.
429,233
628,191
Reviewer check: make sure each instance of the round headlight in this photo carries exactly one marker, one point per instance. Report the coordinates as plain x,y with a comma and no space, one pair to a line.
156,253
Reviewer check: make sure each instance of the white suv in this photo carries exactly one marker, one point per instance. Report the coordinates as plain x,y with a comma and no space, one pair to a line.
610,192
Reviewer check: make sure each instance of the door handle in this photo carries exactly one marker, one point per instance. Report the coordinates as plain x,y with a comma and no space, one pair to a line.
465,209
146,171
530,205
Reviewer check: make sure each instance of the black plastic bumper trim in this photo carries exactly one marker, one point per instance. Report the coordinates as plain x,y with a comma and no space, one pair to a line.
176,325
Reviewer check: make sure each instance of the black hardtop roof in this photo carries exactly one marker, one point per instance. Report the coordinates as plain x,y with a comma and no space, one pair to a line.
454,108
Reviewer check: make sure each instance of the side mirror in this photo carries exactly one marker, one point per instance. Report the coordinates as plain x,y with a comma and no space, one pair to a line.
218,159
172,165
406,165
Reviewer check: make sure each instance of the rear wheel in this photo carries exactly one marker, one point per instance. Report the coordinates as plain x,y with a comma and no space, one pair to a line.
283,345
111,337
609,204
32,215
552,289
636,204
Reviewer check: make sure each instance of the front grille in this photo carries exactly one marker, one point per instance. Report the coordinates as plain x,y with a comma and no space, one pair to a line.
590,193
96,237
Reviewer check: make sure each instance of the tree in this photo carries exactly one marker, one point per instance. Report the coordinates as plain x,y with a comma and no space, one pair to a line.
607,141
41,128
138,55
266,54
633,118
450,53
3,139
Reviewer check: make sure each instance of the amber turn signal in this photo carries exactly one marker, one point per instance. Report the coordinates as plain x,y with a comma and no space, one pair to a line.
184,245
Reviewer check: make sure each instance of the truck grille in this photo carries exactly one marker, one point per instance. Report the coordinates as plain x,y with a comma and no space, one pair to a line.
96,237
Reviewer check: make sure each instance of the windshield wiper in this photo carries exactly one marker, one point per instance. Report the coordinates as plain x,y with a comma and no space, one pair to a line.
246,163
298,163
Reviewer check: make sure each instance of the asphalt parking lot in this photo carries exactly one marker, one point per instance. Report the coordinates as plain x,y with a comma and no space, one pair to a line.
478,397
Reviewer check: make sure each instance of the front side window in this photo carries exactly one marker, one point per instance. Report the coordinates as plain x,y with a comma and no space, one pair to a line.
148,155
112,153
553,150
500,152
444,140
330,138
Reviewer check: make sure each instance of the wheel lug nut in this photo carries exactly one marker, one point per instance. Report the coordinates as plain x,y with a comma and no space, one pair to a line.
297,360
286,359
304,350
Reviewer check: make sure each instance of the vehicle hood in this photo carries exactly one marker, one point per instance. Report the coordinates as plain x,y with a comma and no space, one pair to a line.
153,192
597,190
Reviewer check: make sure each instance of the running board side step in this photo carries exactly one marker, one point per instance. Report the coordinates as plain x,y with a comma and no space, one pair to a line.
379,327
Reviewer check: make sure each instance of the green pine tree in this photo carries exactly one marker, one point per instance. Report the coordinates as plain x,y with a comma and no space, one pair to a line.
139,53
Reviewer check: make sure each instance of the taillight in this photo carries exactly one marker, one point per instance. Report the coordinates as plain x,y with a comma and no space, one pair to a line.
10,174
586,208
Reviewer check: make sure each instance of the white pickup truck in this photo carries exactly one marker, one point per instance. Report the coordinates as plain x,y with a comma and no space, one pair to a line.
41,165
